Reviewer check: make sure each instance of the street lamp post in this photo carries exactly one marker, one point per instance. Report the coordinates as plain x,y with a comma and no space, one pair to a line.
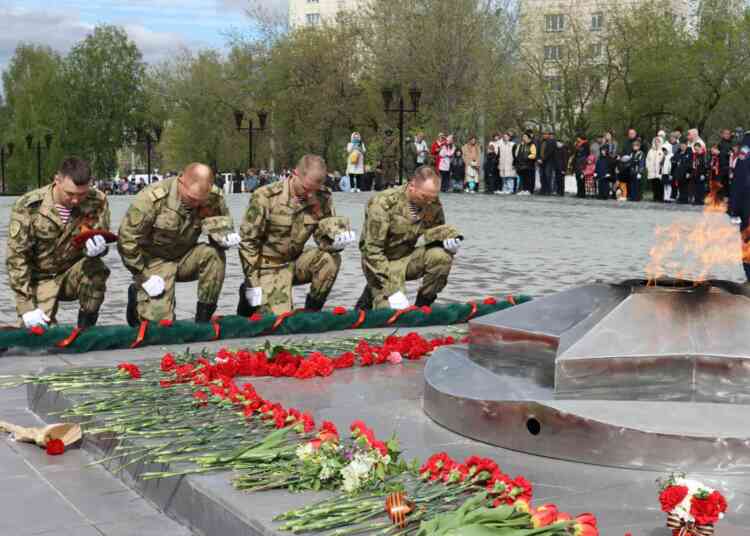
149,135
238,118
414,94
29,145
3,155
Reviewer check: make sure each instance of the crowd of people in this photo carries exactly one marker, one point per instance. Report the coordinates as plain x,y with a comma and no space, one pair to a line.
674,167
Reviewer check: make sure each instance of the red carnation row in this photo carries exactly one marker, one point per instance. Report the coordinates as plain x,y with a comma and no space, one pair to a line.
360,430
285,364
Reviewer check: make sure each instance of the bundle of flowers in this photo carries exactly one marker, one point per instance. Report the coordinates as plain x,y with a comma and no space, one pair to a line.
281,361
478,516
438,487
325,462
692,504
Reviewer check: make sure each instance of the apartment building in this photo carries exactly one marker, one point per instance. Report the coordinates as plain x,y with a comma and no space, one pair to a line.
312,12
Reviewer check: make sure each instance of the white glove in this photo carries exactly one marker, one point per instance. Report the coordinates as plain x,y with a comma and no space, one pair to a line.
35,318
254,296
154,286
344,239
398,300
638,176
736,221
452,244
95,246
231,240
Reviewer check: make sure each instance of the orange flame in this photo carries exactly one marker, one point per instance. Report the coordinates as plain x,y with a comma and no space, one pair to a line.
691,250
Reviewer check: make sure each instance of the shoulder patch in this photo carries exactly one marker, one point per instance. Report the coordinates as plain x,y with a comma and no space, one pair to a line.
158,193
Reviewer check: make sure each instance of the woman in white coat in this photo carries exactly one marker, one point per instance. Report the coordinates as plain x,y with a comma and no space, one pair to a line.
355,161
654,164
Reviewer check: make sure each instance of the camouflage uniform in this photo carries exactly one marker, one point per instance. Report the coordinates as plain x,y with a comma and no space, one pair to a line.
390,160
159,236
43,264
389,253
276,228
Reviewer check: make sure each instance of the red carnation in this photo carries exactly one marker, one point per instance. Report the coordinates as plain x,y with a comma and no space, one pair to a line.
339,310
671,497
37,330
166,322
55,447
489,301
707,511
256,316
168,363
426,309
328,432
131,369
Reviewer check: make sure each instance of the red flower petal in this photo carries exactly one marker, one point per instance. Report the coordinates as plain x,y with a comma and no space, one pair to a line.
490,301
256,316
55,447
37,330
166,322
339,310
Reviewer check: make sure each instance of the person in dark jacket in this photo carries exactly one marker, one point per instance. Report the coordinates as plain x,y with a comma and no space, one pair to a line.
562,155
582,151
548,162
725,152
524,159
635,170
739,202
682,167
700,173
603,172
491,176
458,171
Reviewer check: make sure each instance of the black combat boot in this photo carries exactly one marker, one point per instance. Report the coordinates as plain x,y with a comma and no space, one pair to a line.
424,300
243,306
204,312
364,303
131,313
314,304
86,319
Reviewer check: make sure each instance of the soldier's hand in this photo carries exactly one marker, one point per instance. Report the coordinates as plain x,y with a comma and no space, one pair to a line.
95,246
344,239
254,296
398,300
35,318
231,240
452,244
154,286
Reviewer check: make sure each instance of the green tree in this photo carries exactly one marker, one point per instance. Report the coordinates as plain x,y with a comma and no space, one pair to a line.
105,100
33,106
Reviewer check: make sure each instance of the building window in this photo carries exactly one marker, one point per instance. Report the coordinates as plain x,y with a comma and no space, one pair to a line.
597,21
596,50
554,23
554,83
552,53
312,18
313,1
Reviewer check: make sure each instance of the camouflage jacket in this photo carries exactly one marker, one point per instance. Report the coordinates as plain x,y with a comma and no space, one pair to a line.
158,226
40,245
277,226
390,233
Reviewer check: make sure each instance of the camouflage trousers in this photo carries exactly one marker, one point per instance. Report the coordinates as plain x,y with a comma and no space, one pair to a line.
205,262
85,281
431,264
314,266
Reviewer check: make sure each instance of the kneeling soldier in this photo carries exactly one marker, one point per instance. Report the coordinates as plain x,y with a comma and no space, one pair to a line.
45,261
394,221
279,221
159,244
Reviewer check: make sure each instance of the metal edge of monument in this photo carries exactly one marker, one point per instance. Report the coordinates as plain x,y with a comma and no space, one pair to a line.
632,375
